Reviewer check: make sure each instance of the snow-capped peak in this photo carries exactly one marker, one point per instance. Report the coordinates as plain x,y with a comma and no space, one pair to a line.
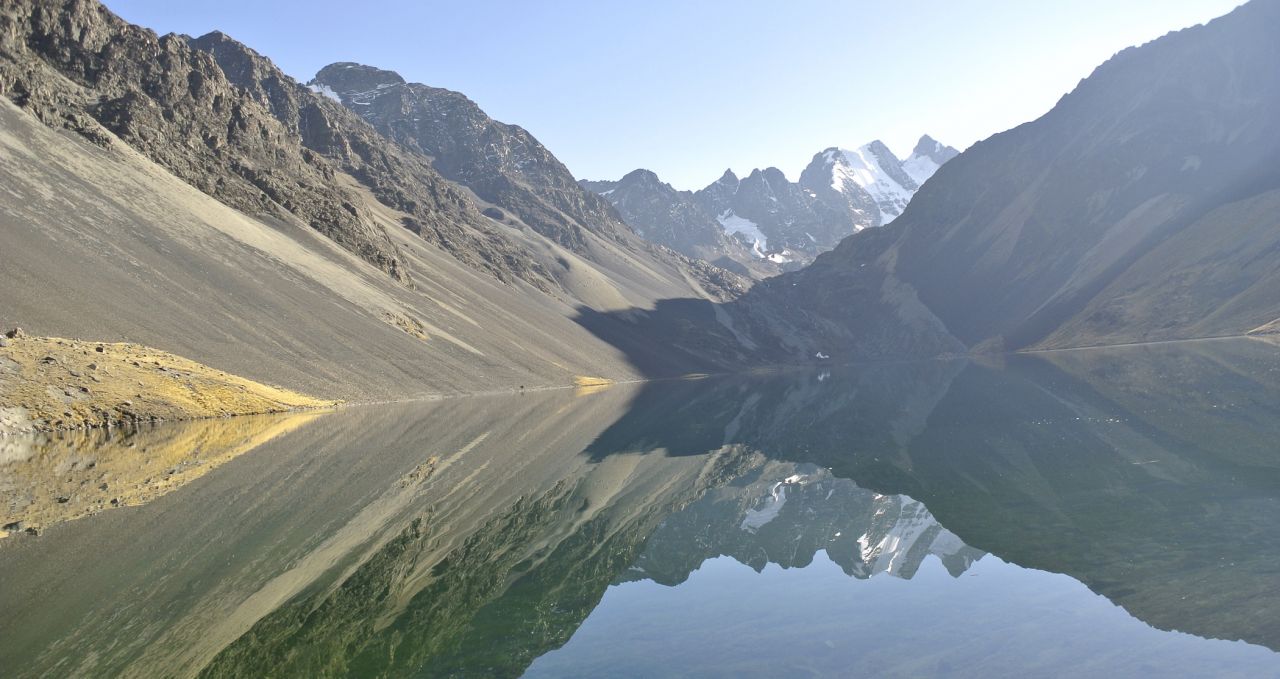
888,180
875,169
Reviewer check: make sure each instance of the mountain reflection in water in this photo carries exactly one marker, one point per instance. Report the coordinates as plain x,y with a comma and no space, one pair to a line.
983,504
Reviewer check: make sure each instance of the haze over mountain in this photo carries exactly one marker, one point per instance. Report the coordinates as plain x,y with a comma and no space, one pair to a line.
1142,207
870,183
661,214
781,222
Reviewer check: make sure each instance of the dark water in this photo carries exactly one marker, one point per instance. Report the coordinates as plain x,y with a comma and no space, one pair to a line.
1093,513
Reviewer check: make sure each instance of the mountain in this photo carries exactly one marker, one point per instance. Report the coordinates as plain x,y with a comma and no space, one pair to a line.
771,217
870,183
75,66
661,214
503,164
925,159
518,181
186,194
1144,206
781,220
785,223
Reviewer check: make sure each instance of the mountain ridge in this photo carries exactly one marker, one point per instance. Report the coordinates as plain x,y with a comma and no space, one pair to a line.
785,224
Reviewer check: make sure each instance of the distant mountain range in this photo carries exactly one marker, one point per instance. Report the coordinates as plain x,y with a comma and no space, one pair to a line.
1145,206
780,223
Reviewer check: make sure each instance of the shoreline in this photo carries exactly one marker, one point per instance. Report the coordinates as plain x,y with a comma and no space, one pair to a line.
127,419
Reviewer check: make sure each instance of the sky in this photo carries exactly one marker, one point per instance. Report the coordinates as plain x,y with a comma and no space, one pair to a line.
688,89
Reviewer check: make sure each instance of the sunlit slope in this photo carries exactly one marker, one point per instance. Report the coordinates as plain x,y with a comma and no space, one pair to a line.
102,244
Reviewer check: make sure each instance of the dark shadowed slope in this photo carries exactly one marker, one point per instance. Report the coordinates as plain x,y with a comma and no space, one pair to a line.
1144,206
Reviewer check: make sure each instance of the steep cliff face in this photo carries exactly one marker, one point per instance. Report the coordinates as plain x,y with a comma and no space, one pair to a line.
434,208
227,121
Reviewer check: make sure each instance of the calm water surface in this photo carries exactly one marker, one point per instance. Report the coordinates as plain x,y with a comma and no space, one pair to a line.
1109,512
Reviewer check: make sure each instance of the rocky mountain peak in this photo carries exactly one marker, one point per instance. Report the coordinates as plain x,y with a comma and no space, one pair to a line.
641,177
659,213
774,176
882,153
931,148
345,77
871,184
228,51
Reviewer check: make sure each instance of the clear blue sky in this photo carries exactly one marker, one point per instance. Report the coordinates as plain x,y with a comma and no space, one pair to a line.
688,88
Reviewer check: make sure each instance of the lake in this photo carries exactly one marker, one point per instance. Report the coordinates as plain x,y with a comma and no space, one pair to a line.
1108,512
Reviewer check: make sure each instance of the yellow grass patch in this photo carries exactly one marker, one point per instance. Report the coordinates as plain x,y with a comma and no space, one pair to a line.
590,385
49,383
585,381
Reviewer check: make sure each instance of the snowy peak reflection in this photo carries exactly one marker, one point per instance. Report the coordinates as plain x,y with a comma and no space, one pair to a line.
785,514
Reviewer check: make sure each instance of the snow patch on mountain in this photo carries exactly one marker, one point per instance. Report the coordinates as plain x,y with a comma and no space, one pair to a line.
920,168
900,523
733,224
325,90
862,167
757,517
